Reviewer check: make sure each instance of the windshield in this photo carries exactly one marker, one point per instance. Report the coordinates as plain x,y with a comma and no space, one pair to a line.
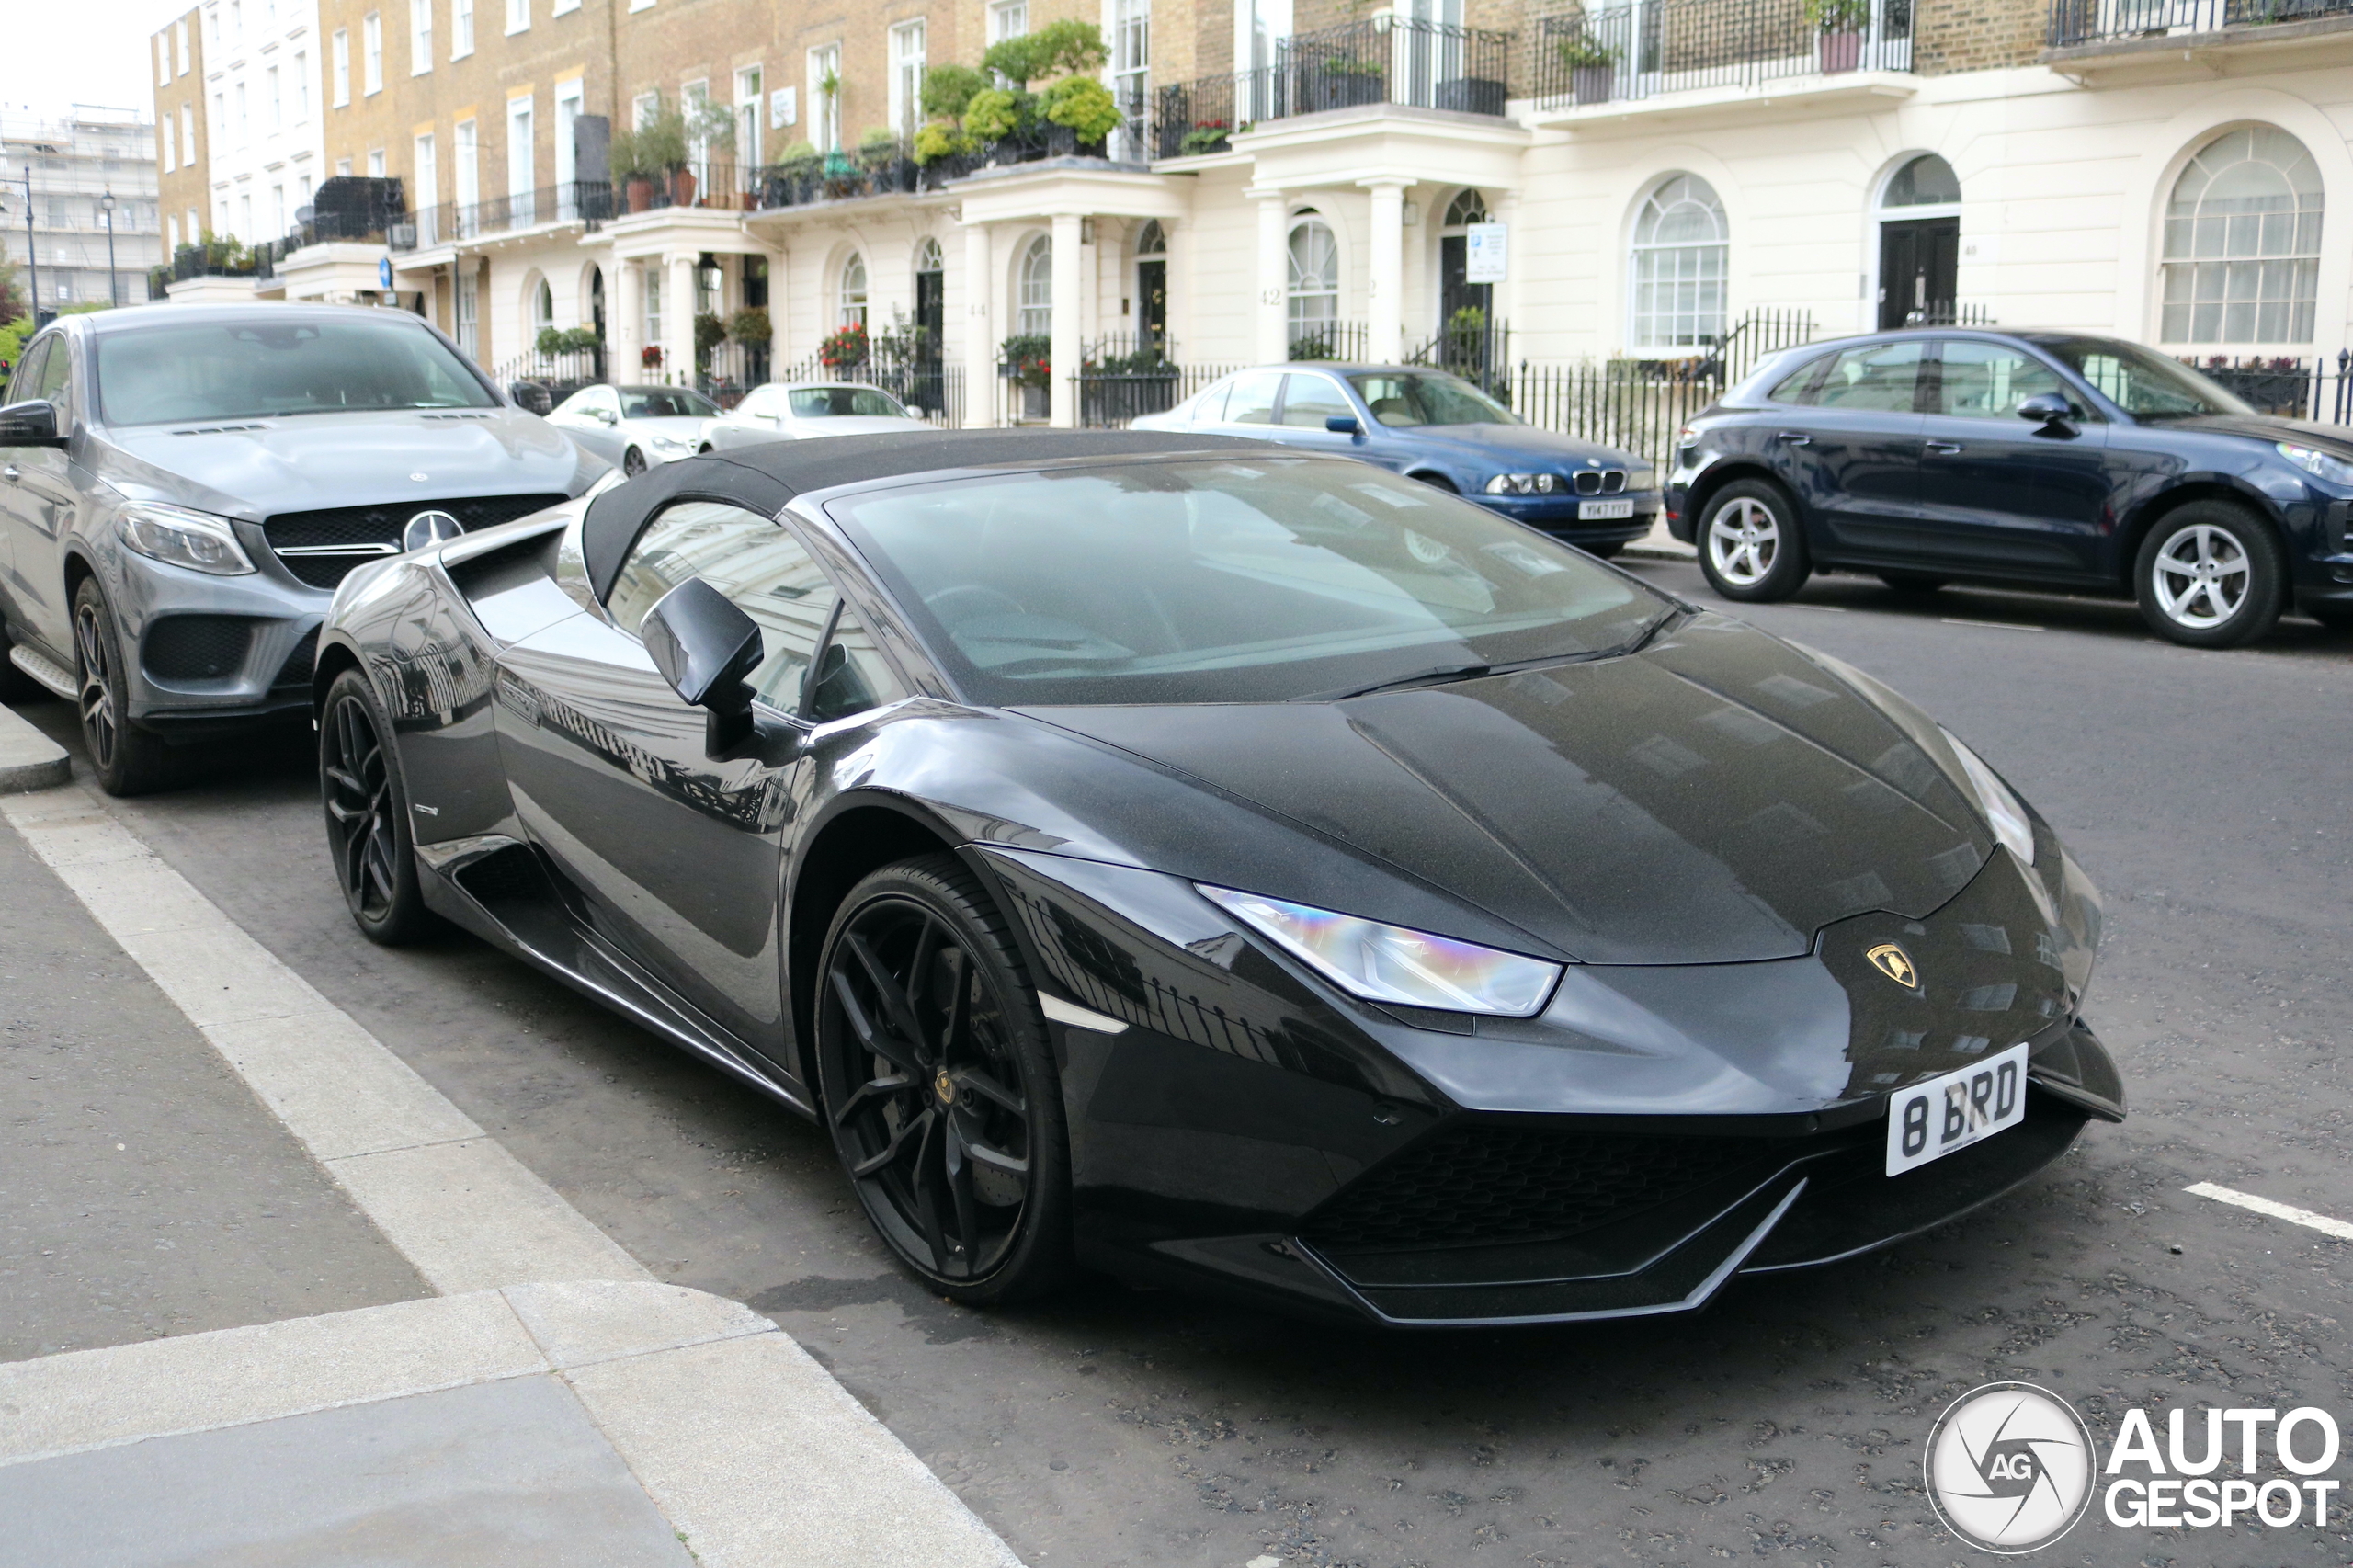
248,369
2146,385
1257,581
1401,401
830,403
666,402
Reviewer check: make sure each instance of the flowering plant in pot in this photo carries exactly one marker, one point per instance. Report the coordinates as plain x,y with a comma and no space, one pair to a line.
650,356
1841,24
846,349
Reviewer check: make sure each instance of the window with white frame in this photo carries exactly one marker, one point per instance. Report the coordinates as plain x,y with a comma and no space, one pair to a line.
245,119
339,66
271,90
567,166
375,162
188,131
1033,311
694,98
654,271
172,235
277,209
1313,286
465,189
849,306
2242,251
372,52
542,308
426,179
1008,18
162,61
907,60
179,47
1682,253
171,147
563,7
825,98
1132,61
301,87
420,37
750,82
220,118
469,333
343,168
522,209
644,109
193,227
461,28
518,16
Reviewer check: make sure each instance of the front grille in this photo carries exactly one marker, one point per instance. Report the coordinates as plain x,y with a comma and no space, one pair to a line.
1489,1186
197,647
300,662
1601,481
358,528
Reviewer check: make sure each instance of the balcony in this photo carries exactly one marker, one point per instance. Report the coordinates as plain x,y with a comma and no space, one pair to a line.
1654,49
1381,60
2159,33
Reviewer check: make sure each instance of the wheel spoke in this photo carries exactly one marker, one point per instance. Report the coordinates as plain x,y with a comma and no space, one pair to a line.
892,994
909,1132
988,1088
897,1052
926,1199
872,1090
958,1170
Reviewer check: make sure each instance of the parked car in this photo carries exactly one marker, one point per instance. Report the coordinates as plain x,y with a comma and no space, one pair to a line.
801,411
184,487
1442,430
2033,458
635,427
1217,863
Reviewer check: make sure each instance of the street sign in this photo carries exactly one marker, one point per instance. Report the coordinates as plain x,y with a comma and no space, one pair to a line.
1483,252
384,274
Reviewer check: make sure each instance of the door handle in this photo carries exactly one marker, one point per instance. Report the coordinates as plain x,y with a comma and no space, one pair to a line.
1943,449
1794,439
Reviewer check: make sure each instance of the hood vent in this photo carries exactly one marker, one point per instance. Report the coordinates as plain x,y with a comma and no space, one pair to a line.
455,416
217,430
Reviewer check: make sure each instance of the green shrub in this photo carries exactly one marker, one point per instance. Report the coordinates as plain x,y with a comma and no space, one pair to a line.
1085,104
751,326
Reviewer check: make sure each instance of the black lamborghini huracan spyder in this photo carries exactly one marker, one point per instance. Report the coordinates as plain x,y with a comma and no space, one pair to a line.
1216,864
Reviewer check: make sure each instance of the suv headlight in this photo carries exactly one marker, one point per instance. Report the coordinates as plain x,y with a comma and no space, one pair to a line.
1525,484
1390,963
2003,813
2312,460
177,537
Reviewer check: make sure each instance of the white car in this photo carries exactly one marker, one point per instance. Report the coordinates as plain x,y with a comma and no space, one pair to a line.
799,411
635,427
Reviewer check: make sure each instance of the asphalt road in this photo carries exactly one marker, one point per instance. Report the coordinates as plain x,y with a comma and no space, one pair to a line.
2206,794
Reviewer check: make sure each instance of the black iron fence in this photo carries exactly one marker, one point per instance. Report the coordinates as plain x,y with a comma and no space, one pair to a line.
1637,406
1472,347
929,386
2099,21
1343,340
1649,47
1380,60
1108,399
2317,388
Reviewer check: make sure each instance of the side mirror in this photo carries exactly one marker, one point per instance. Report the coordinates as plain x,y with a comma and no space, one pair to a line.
2047,408
29,425
706,648
1343,424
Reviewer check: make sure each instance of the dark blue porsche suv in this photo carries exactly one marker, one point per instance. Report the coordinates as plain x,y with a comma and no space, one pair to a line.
2030,459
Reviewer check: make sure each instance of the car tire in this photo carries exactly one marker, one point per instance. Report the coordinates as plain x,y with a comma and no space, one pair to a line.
633,463
2210,575
125,758
1436,482
366,802
947,1112
1752,544
1914,581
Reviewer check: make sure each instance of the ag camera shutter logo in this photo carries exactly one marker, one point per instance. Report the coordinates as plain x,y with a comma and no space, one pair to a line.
2009,1468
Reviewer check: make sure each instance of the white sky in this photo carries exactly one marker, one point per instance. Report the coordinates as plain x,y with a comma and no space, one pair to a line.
62,52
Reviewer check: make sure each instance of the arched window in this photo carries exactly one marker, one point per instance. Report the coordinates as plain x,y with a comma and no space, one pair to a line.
1681,254
1151,239
927,256
2242,253
1034,317
1466,208
1315,286
543,307
852,309
1927,181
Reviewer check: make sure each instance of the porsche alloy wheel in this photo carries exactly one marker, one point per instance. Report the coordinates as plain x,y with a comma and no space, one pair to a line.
1742,539
1750,546
2209,576
367,812
939,1086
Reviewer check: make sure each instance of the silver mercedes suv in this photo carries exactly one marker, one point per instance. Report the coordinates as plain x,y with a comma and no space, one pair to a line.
182,487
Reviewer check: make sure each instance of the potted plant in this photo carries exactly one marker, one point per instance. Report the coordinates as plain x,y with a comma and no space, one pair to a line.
1841,24
751,327
650,356
1207,136
846,349
1593,67
1343,81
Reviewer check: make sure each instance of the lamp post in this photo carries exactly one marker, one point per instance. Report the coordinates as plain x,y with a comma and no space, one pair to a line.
114,282
32,256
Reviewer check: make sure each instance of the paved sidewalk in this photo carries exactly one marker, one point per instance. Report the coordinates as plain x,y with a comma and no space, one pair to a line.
548,1403
28,759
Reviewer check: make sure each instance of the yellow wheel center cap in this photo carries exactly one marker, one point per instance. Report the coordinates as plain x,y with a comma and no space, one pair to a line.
945,1087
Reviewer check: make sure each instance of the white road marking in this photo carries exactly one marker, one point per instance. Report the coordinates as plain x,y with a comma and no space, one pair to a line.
2288,1211
1992,625
750,1449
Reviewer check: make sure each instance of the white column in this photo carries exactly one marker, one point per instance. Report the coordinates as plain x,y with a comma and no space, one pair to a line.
678,320
1070,284
779,334
1274,275
979,335
1386,317
1507,294
624,322
1182,320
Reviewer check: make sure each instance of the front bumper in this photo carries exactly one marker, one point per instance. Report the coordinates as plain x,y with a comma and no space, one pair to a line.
1559,516
207,655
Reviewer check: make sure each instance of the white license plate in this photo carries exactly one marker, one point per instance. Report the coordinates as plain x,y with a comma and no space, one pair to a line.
1951,1111
1602,511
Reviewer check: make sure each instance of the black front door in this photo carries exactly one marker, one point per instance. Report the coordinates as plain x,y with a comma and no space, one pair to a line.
1456,292
927,392
1152,307
597,315
1919,271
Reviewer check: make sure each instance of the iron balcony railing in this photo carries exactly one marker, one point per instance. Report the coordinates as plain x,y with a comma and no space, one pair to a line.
2099,21
1381,60
893,169
1647,48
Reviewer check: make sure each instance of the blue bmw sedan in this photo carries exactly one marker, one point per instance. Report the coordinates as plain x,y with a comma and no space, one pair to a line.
1441,430
2030,459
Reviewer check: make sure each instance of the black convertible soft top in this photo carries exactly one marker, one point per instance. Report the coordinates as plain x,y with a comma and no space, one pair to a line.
762,479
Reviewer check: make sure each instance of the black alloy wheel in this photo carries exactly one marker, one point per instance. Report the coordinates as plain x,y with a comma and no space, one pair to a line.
367,812
127,759
633,463
939,1086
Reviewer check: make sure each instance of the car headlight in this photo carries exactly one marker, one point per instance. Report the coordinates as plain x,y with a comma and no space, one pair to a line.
1390,963
1641,478
178,537
2003,813
1525,484
668,444
2312,460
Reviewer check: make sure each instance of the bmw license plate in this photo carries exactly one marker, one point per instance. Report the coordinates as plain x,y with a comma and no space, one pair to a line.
1603,511
1951,1111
